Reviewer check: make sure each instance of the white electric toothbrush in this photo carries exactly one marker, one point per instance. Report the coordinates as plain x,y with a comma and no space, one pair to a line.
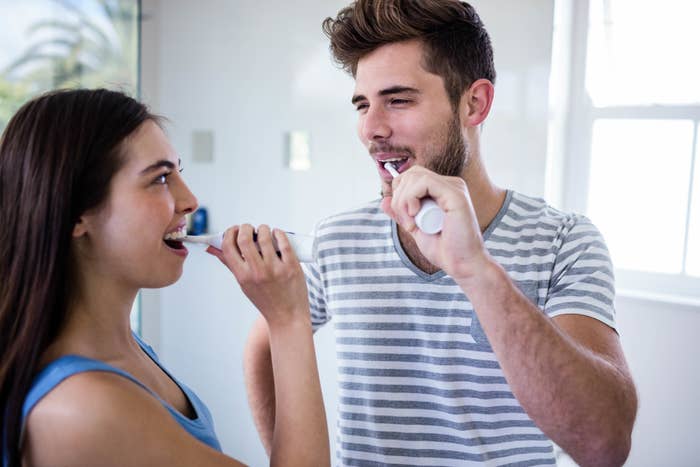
303,245
430,217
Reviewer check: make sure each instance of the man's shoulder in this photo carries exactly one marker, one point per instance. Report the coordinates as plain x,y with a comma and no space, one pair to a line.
533,219
367,214
526,210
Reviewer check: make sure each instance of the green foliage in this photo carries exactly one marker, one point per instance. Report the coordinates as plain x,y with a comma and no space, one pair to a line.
80,47
12,96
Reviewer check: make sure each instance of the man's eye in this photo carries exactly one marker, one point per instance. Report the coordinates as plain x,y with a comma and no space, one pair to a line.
400,101
361,106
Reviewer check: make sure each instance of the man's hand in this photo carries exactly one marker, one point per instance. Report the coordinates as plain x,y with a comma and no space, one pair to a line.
459,249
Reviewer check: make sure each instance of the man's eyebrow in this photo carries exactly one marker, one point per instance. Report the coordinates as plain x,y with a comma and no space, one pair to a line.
161,163
398,90
387,92
357,98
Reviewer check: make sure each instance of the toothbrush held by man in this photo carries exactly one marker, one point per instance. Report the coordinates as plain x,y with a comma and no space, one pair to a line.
430,217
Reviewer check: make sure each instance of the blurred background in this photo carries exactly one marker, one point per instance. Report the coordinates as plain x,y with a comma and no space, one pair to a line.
597,110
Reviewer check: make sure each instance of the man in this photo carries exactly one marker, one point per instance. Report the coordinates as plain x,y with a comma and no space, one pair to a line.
486,342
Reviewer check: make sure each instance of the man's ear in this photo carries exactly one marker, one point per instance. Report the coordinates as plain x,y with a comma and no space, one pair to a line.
476,101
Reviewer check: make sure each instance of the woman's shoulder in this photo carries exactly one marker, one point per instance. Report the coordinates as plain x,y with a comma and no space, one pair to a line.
83,415
102,418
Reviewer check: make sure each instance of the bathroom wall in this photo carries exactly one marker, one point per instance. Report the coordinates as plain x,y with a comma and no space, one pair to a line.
250,73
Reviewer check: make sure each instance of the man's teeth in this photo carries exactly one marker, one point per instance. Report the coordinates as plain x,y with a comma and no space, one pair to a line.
176,235
395,159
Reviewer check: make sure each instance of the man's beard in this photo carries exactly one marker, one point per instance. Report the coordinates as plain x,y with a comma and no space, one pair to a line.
448,159
451,159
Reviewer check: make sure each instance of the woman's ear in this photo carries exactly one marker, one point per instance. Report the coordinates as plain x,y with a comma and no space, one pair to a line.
80,228
476,101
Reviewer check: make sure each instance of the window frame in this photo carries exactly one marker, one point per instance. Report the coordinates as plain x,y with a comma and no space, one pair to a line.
580,114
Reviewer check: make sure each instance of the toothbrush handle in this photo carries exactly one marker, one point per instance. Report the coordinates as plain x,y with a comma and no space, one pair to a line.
303,245
430,217
216,241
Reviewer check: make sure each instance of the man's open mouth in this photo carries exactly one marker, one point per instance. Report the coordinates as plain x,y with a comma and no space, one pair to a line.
396,162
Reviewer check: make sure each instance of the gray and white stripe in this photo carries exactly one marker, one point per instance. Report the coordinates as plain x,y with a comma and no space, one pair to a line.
418,381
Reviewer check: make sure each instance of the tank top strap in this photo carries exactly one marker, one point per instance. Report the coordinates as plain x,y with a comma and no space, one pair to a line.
62,368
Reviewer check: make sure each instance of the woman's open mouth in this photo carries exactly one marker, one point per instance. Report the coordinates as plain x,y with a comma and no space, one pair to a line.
173,239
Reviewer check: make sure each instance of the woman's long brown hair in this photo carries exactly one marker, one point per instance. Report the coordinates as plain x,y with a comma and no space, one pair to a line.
57,157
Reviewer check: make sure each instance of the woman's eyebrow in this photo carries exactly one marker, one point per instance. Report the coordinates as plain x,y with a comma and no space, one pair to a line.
158,165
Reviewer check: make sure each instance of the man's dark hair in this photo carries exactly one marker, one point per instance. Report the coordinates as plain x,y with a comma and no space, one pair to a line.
456,44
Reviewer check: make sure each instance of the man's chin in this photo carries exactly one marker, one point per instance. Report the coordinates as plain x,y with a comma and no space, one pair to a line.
385,189
385,205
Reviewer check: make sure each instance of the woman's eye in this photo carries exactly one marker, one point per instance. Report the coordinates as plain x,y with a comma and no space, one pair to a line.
162,179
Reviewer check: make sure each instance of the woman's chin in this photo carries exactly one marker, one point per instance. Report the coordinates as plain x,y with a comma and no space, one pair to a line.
163,280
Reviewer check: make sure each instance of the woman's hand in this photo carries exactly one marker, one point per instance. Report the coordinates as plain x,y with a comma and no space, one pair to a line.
276,286
273,282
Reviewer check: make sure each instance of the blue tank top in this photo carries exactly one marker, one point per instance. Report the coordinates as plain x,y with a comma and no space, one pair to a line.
201,427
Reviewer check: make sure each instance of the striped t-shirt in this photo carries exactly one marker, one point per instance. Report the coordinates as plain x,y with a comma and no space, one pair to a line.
419,383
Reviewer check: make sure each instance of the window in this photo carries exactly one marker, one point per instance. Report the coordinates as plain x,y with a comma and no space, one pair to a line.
633,135
50,44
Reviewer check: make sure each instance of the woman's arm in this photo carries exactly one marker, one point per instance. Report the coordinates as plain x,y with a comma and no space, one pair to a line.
276,286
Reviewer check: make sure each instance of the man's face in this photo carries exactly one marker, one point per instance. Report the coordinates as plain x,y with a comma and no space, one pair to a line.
405,115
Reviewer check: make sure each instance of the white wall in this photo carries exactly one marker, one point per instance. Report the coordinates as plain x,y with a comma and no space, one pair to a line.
250,73
661,343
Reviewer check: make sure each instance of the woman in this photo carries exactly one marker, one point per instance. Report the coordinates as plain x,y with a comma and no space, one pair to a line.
91,198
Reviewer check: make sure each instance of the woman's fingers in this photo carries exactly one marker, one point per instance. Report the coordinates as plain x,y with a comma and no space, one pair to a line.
285,248
266,245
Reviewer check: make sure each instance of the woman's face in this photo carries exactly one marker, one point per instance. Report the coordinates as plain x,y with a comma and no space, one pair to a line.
148,199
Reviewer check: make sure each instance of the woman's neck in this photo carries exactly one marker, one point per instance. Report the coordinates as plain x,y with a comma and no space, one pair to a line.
97,322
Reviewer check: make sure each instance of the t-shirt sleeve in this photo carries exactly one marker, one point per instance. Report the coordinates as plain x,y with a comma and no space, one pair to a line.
582,281
314,284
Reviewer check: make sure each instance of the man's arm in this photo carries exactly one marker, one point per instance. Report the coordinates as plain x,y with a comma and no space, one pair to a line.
260,384
568,373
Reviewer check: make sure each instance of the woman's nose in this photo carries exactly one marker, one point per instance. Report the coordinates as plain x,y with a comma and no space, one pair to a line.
185,200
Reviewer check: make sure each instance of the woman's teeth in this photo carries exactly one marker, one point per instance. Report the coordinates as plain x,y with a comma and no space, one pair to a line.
178,234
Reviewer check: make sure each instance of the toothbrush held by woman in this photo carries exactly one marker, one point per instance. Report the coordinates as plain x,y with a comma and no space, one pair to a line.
303,245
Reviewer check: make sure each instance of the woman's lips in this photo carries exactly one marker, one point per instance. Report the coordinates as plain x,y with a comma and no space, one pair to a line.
176,247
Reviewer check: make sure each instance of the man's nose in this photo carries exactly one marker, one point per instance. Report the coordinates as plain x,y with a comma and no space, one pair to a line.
375,125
